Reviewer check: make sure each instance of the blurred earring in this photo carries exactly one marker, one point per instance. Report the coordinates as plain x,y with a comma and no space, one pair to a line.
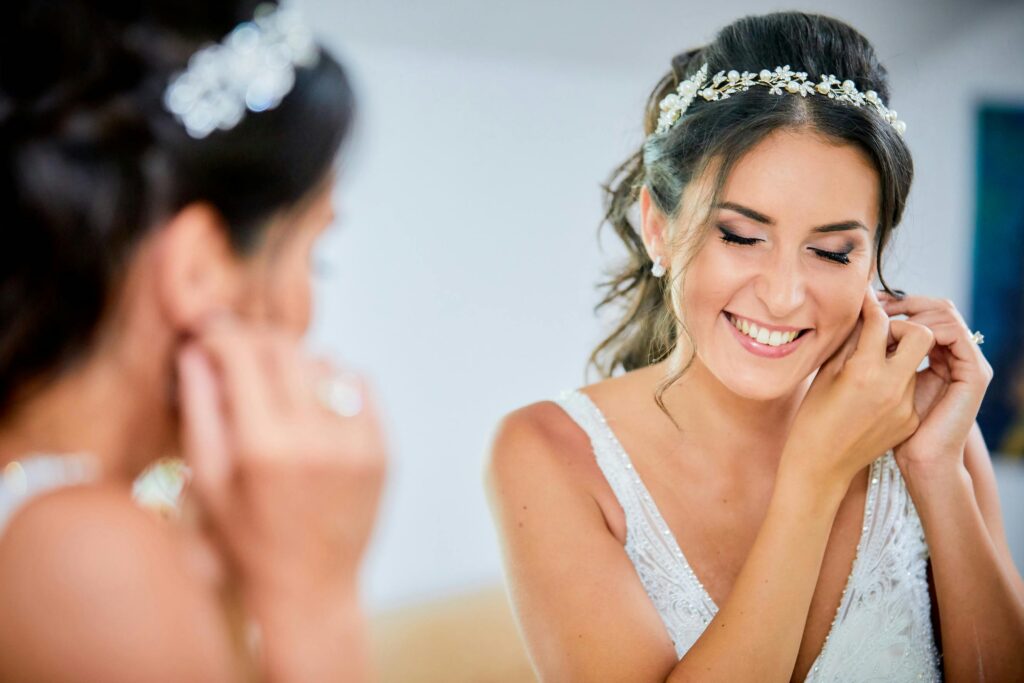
658,269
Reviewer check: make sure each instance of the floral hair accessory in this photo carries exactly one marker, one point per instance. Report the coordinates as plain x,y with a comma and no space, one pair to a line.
723,84
252,69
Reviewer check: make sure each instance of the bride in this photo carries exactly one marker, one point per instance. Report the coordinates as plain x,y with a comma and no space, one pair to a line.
771,490
167,169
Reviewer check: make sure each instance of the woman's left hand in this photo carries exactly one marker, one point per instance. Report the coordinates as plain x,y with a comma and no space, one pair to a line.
949,391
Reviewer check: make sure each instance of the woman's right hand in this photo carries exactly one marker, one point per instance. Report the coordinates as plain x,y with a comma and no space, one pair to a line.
861,403
289,488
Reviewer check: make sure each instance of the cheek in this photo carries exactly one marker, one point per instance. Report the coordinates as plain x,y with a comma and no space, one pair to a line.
838,302
287,287
712,279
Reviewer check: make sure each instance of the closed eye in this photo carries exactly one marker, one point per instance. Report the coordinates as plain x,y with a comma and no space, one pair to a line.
732,238
839,257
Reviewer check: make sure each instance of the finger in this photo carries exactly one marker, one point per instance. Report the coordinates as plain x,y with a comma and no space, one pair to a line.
839,357
914,305
913,343
874,337
950,333
247,390
927,318
344,393
203,430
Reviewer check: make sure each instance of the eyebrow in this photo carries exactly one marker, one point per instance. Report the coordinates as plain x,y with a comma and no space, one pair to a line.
761,218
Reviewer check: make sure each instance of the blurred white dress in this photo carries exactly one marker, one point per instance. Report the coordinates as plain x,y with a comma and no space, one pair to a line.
882,630
23,480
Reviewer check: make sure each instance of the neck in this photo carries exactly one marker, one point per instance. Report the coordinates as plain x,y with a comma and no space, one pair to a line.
105,407
745,427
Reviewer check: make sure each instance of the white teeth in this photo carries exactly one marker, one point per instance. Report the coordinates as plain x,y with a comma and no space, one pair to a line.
762,335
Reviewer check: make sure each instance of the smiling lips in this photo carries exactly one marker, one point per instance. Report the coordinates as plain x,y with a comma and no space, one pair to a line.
770,342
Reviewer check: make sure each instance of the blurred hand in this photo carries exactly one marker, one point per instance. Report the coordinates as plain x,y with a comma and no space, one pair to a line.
861,402
950,390
290,488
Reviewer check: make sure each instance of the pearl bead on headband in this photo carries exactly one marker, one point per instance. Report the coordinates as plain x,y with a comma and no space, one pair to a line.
252,69
723,84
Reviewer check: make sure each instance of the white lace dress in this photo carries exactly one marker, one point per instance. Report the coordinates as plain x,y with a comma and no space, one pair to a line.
882,630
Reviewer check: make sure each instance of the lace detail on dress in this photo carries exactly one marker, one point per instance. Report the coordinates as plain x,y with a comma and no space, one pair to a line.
882,629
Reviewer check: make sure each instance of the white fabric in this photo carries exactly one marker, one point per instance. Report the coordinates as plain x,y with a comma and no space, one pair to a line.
882,630
22,480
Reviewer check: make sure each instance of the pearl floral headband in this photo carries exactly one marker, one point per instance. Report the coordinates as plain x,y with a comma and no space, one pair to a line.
723,84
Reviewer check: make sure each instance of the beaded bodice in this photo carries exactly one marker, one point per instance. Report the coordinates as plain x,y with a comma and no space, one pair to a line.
882,629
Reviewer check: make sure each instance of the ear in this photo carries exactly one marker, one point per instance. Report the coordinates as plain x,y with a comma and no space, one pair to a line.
197,271
653,224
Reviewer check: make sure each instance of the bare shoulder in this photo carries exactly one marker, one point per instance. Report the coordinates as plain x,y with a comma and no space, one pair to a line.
101,586
542,426
537,442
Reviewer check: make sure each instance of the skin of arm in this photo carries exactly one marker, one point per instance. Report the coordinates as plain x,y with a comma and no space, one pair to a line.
313,635
979,591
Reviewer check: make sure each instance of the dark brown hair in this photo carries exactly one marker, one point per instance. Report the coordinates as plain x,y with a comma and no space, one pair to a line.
91,161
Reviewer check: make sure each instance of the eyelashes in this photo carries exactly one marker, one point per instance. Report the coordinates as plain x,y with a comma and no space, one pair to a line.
733,238
840,257
836,256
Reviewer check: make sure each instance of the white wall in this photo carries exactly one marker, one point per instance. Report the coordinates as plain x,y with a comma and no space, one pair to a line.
463,274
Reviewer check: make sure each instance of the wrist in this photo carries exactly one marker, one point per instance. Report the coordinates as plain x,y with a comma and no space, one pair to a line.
319,633
805,472
815,491
282,597
938,467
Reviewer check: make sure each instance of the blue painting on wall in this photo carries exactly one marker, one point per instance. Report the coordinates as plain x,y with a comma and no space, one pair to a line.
997,301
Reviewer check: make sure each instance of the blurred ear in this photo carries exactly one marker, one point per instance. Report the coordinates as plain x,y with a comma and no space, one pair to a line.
653,224
197,271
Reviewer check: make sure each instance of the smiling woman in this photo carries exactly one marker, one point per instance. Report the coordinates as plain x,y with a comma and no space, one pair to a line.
832,500
789,254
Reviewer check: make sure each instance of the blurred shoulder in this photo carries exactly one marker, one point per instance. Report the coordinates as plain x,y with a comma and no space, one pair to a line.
101,585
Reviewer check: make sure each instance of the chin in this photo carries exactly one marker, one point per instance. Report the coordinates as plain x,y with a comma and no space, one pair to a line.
757,391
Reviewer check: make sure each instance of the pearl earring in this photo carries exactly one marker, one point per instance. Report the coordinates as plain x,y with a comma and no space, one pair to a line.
658,269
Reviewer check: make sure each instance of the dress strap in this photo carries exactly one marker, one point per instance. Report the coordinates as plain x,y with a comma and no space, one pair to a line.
614,461
650,543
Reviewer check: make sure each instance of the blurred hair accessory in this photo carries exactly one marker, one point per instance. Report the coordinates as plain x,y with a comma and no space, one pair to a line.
781,80
252,69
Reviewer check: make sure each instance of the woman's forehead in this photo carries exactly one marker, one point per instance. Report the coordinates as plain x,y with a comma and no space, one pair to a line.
800,178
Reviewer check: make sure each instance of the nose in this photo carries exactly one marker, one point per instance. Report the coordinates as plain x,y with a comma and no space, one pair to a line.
781,286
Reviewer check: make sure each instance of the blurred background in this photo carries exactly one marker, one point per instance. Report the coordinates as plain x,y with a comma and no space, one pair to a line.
462,274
